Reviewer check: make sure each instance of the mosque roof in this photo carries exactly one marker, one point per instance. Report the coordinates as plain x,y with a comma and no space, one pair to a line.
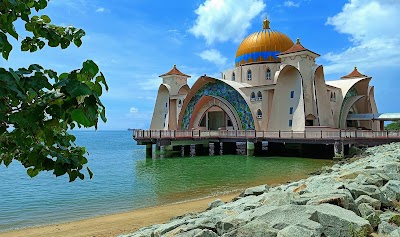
262,46
298,47
174,71
354,74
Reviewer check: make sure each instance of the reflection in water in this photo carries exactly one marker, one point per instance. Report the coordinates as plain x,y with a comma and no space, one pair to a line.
176,179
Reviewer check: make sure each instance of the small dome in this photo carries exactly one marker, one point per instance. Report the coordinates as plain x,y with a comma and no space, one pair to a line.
262,46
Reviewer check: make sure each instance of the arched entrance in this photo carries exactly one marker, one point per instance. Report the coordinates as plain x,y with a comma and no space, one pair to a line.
311,120
214,113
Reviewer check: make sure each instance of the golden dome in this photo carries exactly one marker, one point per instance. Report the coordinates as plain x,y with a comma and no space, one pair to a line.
262,46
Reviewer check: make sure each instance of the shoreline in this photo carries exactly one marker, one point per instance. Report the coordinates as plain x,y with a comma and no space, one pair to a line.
120,223
114,224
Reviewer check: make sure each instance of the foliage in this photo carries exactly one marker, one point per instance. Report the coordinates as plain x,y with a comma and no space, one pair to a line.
393,126
37,105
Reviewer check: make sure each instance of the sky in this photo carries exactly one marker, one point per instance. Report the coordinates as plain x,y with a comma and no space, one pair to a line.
135,41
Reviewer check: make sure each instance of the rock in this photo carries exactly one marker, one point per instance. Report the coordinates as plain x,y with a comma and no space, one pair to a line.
341,198
280,217
367,199
164,228
189,233
370,180
385,228
395,233
392,190
258,190
206,233
369,190
296,231
337,221
215,203
365,209
253,229
374,219
391,217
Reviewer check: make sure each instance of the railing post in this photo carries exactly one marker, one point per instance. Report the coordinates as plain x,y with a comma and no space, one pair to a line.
279,133
292,133
150,133
255,133
305,135
340,133
387,133
321,134
236,133
199,133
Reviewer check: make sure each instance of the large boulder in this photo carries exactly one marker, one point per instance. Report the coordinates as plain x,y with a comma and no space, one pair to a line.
339,222
367,199
392,190
258,190
297,231
215,203
253,229
395,233
386,228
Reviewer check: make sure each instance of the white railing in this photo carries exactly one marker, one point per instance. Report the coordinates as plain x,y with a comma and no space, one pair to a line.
197,134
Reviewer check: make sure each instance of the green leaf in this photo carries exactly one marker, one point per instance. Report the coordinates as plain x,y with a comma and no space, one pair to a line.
76,88
79,116
78,42
45,19
32,172
90,172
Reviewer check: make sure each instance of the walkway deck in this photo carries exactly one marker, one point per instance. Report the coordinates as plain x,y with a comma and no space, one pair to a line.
314,137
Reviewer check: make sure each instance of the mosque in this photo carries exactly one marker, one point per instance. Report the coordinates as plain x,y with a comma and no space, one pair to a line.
275,85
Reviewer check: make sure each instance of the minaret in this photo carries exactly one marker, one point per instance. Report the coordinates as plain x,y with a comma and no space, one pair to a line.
170,98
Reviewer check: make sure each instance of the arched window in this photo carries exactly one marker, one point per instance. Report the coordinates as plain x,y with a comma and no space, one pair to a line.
268,75
253,96
224,77
180,103
259,114
233,76
259,95
249,75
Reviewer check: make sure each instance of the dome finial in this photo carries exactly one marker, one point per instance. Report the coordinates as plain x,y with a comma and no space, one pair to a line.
355,68
174,65
266,24
298,41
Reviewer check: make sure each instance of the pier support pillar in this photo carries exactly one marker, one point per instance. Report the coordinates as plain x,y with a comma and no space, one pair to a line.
250,148
149,150
338,149
157,151
211,149
221,148
192,150
183,151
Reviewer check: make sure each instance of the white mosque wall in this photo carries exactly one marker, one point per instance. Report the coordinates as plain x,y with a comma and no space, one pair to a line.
160,117
325,115
289,82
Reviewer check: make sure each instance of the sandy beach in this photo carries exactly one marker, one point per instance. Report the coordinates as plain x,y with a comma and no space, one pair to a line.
121,223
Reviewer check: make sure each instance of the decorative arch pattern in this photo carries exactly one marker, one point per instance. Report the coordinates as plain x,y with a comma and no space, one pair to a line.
222,90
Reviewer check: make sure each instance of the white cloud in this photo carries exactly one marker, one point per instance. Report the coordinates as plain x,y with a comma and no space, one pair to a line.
291,4
373,29
133,110
213,56
100,9
223,20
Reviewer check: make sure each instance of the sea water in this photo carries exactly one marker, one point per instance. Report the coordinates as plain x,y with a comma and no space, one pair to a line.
125,180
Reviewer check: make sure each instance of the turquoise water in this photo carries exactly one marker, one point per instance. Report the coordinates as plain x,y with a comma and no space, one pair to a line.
124,180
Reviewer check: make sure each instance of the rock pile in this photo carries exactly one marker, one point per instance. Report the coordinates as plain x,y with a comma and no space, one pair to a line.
353,199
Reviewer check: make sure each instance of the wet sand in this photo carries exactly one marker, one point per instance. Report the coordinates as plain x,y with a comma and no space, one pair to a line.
121,223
